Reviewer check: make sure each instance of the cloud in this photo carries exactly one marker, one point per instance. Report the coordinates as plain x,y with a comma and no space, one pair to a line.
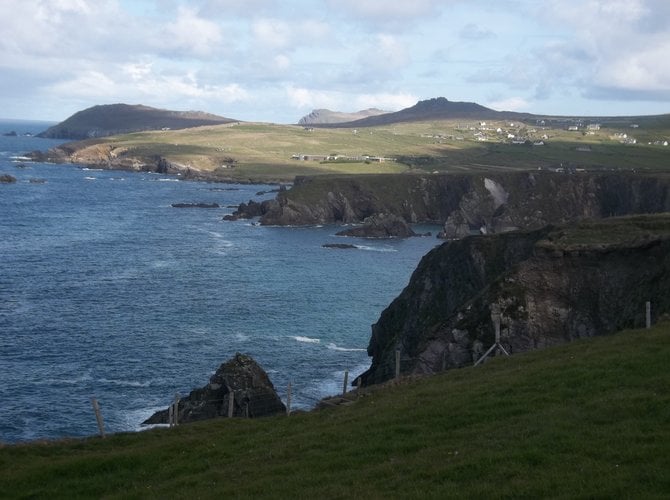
510,104
308,99
383,55
191,35
384,10
472,31
618,49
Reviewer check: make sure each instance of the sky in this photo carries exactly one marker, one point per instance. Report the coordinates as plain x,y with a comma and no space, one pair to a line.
275,61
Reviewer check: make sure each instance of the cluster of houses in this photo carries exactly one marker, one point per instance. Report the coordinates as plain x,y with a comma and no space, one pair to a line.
342,158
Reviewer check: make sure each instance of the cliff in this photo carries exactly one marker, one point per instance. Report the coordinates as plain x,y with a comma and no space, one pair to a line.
551,285
470,203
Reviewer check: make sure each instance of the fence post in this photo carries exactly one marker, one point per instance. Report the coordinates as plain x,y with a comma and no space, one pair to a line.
170,414
288,399
175,413
648,314
98,417
346,382
231,403
359,382
397,363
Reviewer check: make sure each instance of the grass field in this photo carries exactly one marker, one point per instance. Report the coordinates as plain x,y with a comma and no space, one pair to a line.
264,151
589,419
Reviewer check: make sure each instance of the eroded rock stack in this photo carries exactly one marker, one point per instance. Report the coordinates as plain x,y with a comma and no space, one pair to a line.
239,378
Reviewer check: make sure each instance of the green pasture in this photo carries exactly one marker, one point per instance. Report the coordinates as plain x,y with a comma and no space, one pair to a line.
582,420
264,151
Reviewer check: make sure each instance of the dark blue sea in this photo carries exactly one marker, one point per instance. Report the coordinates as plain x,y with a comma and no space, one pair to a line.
107,291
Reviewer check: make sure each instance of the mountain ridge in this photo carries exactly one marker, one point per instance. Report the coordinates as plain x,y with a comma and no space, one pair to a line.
327,116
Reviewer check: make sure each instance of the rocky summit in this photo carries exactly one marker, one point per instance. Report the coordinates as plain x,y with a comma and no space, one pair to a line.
239,378
549,286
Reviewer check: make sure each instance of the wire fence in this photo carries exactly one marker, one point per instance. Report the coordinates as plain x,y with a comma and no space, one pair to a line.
254,402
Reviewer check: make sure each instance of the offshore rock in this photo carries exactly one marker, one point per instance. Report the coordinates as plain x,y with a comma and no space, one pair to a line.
381,226
251,210
239,378
7,179
552,285
195,205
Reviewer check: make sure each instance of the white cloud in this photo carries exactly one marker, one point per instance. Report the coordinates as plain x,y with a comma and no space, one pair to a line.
192,35
272,34
308,99
377,10
618,46
383,55
510,104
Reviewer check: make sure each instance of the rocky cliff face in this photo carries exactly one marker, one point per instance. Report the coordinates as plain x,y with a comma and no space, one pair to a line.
551,285
471,204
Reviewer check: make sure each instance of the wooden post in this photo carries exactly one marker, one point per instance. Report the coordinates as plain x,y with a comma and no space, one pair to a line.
397,363
346,382
288,399
231,403
648,314
171,414
98,417
175,413
359,382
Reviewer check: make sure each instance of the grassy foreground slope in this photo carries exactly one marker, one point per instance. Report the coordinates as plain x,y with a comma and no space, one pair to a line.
263,152
584,420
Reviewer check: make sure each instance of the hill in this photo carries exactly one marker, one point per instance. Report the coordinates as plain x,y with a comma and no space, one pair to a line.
262,152
438,108
114,119
582,420
322,116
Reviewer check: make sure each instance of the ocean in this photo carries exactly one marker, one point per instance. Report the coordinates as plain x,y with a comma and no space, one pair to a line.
107,291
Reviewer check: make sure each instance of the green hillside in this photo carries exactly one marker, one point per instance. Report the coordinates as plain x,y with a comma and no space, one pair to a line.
110,119
267,152
583,420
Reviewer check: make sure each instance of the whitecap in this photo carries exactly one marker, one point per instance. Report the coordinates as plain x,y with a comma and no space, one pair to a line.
376,249
124,383
335,347
90,178
307,340
241,337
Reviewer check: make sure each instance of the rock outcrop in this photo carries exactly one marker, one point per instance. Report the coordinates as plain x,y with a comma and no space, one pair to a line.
195,205
552,285
380,226
240,378
7,179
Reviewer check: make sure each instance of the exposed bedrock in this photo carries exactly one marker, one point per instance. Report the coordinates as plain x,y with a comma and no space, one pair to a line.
551,285
467,203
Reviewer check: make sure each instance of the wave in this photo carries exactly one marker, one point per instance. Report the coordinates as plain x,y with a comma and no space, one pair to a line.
125,383
335,347
307,340
375,249
90,178
88,169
